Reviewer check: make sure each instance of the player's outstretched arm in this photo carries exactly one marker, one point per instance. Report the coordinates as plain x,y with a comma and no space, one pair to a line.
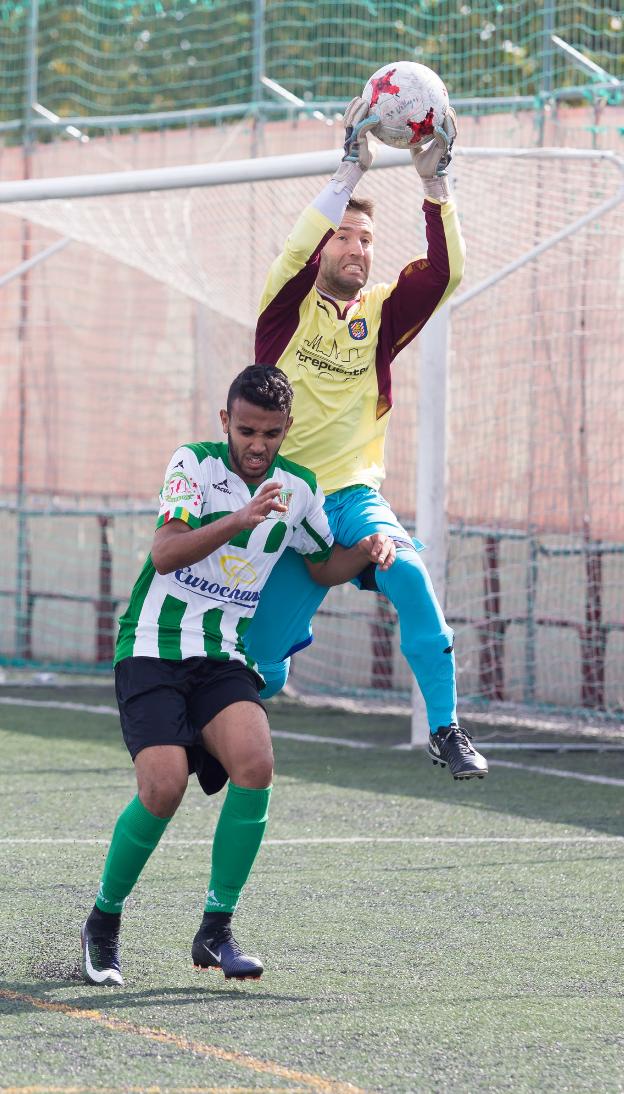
345,563
293,273
358,157
432,160
176,545
358,154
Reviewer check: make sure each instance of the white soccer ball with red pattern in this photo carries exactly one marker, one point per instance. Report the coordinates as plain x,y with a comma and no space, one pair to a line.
410,99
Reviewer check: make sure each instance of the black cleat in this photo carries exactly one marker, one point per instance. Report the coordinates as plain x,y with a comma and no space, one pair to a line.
214,947
100,957
451,745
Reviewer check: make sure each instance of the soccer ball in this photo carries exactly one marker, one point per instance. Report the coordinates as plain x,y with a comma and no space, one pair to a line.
410,98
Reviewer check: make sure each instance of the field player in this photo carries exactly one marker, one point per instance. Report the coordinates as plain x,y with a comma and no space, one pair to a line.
336,343
186,688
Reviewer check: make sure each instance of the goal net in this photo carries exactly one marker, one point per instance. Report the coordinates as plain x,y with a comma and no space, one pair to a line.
121,345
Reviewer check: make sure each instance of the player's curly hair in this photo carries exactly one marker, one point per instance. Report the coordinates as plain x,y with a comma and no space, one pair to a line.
262,385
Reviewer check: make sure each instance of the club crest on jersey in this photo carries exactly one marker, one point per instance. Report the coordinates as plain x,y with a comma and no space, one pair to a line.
358,329
180,487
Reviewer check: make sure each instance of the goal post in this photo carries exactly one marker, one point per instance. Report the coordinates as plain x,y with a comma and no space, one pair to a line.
504,453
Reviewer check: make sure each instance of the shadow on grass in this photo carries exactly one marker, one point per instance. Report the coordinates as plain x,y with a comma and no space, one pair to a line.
563,802
120,999
524,794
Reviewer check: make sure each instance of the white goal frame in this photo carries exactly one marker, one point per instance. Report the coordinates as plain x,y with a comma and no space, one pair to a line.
435,338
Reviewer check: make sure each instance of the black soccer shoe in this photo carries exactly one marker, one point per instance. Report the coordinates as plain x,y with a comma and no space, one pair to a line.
214,947
100,957
451,745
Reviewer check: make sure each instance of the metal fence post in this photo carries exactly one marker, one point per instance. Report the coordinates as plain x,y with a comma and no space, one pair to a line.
548,51
22,576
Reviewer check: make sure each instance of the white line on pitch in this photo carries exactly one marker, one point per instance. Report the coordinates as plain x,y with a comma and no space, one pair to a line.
321,840
55,704
343,742
605,780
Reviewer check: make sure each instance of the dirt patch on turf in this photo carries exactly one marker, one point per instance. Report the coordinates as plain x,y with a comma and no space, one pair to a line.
57,970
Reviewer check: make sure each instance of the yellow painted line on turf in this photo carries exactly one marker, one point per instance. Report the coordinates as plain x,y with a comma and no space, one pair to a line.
152,1090
120,1025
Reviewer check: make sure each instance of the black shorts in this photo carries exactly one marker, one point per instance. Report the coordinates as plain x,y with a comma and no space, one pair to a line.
165,702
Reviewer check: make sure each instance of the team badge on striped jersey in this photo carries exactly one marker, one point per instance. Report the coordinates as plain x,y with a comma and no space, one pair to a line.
180,487
358,329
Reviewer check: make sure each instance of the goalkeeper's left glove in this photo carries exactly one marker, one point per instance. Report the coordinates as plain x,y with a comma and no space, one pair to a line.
432,160
358,155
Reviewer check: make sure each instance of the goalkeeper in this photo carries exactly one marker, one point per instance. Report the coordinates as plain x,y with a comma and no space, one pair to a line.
336,343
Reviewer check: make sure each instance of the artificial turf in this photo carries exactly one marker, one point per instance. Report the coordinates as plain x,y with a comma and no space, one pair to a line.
485,955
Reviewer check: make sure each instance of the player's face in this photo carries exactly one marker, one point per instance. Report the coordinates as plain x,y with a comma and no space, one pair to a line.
346,258
254,436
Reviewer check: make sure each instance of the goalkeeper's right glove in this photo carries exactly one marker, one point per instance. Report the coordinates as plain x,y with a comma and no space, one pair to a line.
358,156
432,160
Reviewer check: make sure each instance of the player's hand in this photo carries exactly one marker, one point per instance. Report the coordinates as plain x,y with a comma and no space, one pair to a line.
432,160
380,549
261,505
358,123
358,154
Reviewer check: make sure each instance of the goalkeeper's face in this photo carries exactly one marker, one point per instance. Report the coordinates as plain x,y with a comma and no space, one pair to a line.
346,258
254,437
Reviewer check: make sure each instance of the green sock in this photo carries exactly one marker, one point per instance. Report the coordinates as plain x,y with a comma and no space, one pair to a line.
237,840
135,836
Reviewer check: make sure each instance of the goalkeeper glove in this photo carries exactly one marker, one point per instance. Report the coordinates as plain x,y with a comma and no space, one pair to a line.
432,160
358,156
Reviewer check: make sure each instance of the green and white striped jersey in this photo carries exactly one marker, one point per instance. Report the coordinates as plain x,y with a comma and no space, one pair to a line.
204,610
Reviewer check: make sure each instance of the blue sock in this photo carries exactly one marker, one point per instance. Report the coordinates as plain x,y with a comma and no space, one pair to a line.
426,639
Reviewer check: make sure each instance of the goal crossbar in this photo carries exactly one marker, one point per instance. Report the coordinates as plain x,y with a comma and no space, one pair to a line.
257,170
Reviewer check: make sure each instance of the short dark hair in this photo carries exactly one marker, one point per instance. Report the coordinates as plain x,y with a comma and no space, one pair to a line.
262,385
362,205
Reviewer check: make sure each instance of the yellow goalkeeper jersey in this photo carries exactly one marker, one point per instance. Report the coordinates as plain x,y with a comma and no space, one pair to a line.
337,354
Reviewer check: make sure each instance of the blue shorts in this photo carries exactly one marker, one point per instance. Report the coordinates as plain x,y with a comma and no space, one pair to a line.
359,511
282,621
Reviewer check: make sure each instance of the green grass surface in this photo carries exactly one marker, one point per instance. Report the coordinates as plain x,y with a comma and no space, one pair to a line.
410,966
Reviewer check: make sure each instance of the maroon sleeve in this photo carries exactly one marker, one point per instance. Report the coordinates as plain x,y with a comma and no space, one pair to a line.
417,293
280,319
419,289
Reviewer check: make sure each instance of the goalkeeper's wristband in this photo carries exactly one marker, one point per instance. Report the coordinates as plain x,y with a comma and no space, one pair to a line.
331,204
346,177
437,188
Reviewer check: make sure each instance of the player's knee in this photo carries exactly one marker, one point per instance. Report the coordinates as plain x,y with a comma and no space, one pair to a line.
429,647
254,771
408,586
275,676
407,580
162,793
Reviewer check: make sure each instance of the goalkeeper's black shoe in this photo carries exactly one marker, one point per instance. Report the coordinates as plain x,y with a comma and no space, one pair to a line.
100,956
214,947
451,745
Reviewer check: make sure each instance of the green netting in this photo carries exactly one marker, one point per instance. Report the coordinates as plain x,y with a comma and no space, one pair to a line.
115,57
